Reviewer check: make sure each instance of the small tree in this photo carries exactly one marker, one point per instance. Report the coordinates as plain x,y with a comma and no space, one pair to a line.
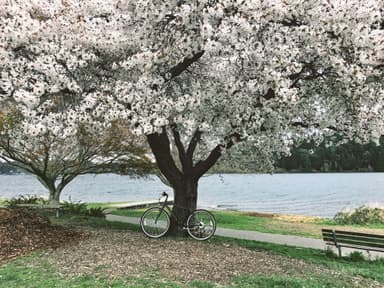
56,161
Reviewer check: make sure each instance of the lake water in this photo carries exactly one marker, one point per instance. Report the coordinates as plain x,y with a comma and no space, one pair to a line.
307,194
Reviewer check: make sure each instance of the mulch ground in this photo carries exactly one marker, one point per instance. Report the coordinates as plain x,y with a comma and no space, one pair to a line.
22,231
114,254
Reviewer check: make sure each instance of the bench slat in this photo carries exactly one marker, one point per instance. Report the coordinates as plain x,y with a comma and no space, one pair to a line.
355,238
329,231
341,239
355,243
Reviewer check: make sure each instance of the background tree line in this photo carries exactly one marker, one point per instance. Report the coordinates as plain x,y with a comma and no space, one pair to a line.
6,168
351,156
310,156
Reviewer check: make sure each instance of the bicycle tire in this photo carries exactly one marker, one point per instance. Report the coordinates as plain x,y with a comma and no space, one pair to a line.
201,224
155,222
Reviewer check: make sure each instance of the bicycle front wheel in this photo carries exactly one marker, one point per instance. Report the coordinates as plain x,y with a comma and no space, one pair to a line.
155,222
201,224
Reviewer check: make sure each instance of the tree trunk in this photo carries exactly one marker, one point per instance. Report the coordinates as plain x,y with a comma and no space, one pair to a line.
184,181
54,192
54,197
185,201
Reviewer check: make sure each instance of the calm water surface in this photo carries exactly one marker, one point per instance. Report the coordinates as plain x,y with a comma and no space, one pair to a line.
307,194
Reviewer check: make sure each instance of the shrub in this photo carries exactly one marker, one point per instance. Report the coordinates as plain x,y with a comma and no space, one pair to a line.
361,216
25,199
67,206
329,253
74,208
96,212
356,256
81,209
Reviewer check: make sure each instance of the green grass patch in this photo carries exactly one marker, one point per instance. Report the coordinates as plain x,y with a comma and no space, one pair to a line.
103,204
19,274
277,281
240,221
128,212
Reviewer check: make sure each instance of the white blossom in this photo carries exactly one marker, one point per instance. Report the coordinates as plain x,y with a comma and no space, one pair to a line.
269,71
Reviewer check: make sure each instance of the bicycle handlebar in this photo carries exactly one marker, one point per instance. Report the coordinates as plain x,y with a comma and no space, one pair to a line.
164,194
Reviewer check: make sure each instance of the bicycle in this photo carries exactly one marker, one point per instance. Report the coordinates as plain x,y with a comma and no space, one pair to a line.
155,222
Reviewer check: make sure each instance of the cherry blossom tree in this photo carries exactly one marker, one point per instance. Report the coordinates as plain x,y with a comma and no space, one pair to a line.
199,78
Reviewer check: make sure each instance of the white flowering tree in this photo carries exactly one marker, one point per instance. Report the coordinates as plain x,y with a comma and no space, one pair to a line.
199,77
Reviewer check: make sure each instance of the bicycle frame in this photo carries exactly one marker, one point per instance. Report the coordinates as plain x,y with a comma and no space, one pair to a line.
165,206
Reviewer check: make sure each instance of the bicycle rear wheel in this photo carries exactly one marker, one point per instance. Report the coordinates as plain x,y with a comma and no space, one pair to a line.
201,224
155,222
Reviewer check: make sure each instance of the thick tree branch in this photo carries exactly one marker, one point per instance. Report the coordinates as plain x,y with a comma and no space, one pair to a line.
270,94
182,66
203,166
193,144
180,147
292,22
160,147
315,125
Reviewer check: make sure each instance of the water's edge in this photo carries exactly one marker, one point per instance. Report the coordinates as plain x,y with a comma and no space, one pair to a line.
315,194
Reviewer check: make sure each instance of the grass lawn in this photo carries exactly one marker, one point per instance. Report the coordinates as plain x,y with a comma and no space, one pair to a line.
271,223
34,271
17,275
103,205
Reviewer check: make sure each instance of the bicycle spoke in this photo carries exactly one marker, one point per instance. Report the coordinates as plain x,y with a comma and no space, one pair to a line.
155,222
201,224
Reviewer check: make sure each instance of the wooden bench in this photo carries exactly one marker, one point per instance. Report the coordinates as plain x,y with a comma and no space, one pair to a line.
356,240
43,206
